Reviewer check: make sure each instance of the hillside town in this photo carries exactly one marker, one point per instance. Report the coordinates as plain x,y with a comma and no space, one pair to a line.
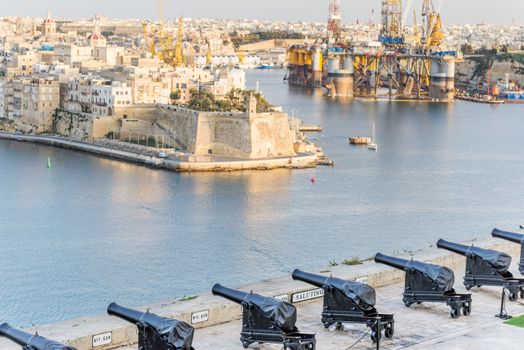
100,66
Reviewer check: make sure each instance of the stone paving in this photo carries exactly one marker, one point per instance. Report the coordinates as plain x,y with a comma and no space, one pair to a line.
425,326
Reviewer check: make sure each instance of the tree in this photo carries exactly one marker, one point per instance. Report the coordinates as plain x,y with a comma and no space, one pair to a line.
175,95
234,101
467,49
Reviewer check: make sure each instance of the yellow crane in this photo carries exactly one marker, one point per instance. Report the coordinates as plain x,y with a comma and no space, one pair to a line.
149,43
433,35
179,53
208,53
416,32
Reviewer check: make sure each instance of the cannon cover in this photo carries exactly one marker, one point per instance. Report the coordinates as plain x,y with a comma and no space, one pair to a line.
498,260
360,293
178,333
442,276
282,313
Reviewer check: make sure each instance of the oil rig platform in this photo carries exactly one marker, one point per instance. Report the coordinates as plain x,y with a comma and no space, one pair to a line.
396,66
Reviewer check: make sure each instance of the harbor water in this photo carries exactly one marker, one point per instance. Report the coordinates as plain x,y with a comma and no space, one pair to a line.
88,231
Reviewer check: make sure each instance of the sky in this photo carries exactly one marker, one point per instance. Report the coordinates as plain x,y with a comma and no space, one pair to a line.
453,11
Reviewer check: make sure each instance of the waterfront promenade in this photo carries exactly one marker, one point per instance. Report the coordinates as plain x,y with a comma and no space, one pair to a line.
296,162
419,327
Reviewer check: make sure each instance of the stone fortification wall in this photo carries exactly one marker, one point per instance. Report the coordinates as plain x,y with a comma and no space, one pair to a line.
146,112
81,126
227,134
243,135
77,126
271,136
180,123
103,125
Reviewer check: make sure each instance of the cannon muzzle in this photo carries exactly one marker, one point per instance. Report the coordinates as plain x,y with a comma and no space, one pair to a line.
508,236
453,247
28,340
398,263
136,317
310,278
234,295
132,316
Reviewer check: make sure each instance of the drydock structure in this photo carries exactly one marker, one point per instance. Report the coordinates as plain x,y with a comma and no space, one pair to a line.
396,66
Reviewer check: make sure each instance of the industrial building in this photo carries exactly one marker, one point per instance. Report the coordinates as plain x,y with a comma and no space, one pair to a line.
395,66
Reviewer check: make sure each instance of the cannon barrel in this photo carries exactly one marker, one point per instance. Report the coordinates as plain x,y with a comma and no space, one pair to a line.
453,247
25,339
508,236
316,280
134,316
398,263
234,295
178,334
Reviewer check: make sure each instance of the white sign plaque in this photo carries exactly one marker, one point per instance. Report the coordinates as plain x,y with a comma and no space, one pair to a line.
102,339
307,295
362,280
283,297
200,316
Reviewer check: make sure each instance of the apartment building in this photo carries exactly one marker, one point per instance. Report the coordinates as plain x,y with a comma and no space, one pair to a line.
31,101
97,96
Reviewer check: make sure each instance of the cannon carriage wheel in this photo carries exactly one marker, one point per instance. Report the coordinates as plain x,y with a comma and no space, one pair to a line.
390,330
455,313
466,309
375,335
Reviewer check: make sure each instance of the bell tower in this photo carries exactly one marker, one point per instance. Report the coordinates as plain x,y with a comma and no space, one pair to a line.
251,105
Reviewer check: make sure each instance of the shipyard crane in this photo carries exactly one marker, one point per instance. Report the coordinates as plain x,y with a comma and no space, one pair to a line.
179,53
149,42
416,32
164,39
208,53
433,35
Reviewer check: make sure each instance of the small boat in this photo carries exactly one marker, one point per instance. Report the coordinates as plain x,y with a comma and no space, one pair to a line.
359,140
373,146
265,66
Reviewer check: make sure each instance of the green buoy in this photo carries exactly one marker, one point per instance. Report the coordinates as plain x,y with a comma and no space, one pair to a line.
48,163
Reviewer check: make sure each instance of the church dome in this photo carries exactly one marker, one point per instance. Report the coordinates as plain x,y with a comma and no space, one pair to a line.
96,36
49,20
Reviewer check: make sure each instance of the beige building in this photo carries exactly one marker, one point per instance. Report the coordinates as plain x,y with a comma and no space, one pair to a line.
72,55
31,103
96,96
21,65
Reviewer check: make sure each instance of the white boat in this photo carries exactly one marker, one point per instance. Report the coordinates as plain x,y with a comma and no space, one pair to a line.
373,146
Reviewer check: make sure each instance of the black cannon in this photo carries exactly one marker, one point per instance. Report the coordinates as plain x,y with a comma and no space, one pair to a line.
515,238
429,283
155,332
351,302
29,341
267,320
485,267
